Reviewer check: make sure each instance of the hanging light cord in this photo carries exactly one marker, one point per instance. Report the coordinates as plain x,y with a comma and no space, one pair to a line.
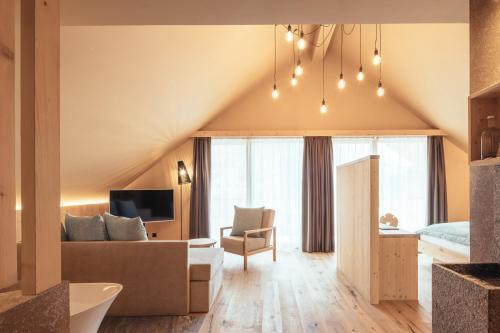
350,32
275,54
298,49
323,32
380,53
341,48
376,35
360,62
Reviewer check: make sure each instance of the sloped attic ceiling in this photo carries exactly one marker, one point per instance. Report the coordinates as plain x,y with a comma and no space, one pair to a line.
128,94
425,67
131,93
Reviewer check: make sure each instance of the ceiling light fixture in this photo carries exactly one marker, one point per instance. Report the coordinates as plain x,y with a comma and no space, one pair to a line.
377,58
275,94
361,75
301,44
323,108
299,70
341,84
289,34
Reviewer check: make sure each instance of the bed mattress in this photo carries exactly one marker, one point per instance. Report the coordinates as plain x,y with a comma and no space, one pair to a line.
452,246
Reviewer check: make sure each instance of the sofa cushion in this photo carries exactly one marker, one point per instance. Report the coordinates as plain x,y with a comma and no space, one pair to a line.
64,235
204,263
234,244
246,219
125,229
85,228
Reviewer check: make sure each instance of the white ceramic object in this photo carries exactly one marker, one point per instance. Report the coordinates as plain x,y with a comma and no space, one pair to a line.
88,304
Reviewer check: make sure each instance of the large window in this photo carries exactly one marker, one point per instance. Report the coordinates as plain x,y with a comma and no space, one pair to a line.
268,172
403,180
258,172
403,174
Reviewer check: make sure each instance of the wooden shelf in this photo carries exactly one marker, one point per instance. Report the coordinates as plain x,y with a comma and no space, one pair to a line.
482,104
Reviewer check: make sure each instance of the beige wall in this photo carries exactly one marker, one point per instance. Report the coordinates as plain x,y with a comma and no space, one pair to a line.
484,43
163,174
457,181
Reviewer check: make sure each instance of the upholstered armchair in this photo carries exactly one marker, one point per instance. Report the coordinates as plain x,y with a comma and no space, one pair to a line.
253,241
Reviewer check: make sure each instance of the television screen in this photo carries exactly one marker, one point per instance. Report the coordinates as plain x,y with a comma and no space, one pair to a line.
149,205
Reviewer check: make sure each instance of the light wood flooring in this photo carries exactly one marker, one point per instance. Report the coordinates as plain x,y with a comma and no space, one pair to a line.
298,293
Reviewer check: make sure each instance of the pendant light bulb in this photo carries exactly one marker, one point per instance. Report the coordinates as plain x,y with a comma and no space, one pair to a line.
301,43
289,34
323,108
380,89
341,83
299,70
377,59
294,80
275,94
361,75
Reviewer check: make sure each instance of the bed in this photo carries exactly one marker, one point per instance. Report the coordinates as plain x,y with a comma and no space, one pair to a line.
446,242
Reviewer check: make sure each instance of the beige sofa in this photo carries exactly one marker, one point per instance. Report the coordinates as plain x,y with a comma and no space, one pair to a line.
158,277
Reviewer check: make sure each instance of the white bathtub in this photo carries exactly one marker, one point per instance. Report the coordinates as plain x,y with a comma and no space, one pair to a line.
88,304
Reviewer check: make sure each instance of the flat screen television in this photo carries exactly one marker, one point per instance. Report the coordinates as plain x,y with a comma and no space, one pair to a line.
149,205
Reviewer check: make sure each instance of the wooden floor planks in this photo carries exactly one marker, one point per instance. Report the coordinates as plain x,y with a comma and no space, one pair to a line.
300,293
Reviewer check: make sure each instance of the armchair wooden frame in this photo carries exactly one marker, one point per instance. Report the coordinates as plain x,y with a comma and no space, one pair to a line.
247,253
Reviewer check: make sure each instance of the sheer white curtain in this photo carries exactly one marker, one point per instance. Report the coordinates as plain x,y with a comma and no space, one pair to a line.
403,174
228,181
403,180
276,182
254,173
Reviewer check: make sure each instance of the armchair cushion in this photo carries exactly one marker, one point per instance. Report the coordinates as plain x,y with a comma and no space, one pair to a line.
246,219
234,244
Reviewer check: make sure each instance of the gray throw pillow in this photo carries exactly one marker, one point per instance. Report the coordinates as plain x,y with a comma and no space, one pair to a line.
125,229
85,228
246,219
64,235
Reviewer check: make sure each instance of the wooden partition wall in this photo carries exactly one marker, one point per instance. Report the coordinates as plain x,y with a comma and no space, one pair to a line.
8,274
357,225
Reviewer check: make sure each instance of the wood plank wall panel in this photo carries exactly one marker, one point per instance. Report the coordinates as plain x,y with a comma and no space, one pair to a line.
40,145
398,260
357,226
8,267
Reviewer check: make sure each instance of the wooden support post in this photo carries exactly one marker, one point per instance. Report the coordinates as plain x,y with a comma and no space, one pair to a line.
40,183
8,264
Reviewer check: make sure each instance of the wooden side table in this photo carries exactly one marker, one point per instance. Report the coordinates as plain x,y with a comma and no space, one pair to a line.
202,242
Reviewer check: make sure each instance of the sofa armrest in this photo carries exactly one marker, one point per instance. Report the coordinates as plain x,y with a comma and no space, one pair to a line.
154,274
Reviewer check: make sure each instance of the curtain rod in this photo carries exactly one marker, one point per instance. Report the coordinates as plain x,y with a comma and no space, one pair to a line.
292,133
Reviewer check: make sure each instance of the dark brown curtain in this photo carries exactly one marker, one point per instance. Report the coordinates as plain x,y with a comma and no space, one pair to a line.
199,212
317,195
438,205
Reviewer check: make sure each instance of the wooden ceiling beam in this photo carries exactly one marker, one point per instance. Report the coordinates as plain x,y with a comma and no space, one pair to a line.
316,53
